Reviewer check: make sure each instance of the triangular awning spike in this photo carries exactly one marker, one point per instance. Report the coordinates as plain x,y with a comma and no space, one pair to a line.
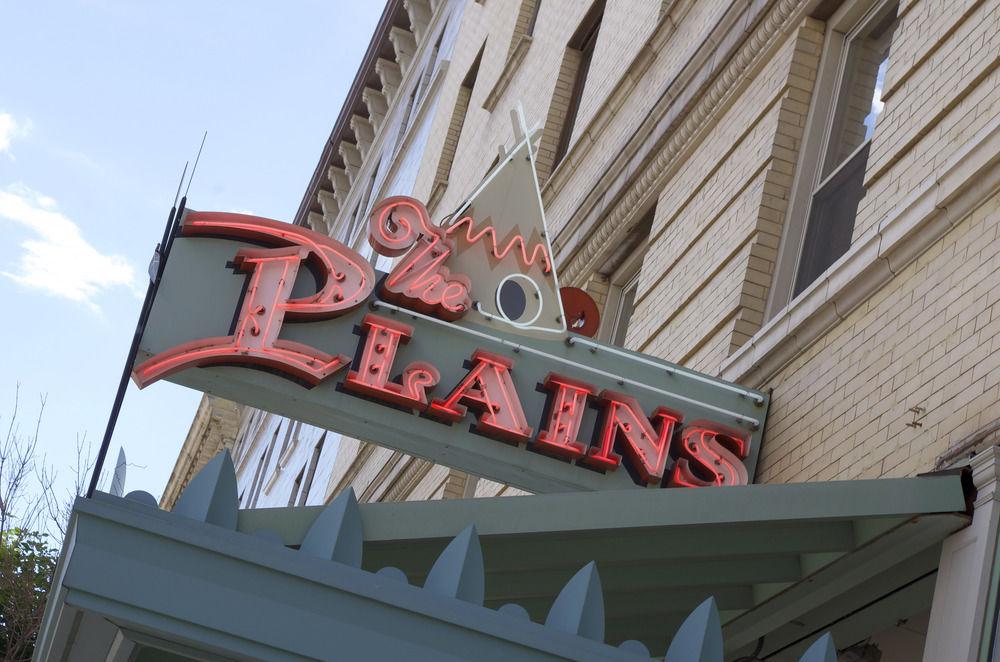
118,478
458,572
579,607
699,638
821,650
337,534
211,495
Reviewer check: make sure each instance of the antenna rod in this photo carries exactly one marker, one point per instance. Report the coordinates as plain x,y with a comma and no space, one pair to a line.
180,184
196,159
162,250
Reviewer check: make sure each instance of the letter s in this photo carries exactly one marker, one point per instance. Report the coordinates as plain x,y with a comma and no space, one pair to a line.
711,455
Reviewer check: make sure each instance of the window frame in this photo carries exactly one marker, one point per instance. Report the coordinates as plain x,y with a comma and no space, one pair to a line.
624,277
305,487
851,19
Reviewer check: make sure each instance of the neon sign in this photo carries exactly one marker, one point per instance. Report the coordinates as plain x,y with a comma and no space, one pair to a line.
467,353
657,447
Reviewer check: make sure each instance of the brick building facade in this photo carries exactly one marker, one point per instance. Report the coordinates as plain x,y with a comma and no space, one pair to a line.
794,195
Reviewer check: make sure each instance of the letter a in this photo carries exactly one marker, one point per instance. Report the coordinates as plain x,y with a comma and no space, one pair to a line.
488,389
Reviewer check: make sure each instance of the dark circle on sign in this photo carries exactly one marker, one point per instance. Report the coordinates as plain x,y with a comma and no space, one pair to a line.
513,300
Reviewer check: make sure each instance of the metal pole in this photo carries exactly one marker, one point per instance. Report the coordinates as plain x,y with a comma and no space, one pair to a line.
162,252
176,213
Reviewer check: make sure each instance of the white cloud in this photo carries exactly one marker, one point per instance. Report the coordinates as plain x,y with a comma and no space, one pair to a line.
11,129
58,260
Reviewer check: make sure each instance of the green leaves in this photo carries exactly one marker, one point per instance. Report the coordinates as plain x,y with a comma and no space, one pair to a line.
27,562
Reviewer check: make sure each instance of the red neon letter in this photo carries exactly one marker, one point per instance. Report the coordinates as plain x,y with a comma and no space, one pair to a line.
623,421
714,452
420,280
566,407
372,376
488,389
348,280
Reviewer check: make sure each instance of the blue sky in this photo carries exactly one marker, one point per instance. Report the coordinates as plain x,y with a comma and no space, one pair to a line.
101,103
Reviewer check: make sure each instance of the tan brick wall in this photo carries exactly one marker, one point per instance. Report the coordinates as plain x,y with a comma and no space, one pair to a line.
454,133
683,32
624,30
942,86
555,119
525,11
705,278
929,339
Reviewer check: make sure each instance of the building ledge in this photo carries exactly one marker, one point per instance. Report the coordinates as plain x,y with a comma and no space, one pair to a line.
507,74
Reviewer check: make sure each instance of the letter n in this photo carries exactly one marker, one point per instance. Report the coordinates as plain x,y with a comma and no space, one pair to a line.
623,423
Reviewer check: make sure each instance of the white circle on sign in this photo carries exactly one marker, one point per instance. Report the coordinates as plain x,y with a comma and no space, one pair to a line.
538,297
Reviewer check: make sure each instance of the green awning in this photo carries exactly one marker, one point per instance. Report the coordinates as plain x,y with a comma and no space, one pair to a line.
785,560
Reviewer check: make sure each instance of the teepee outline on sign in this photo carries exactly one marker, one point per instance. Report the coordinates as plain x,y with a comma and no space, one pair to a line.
502,224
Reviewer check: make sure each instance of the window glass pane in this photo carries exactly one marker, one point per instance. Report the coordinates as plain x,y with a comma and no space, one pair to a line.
831,220
877,104
859,99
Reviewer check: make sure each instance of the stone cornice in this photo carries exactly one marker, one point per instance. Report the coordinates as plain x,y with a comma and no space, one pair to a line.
694,122
967,179
985,472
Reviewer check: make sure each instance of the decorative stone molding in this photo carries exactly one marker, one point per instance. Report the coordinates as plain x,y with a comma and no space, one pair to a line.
352,160
213,430
404,44
363,133
317,221
328,201
707,107
390,75
419,12
341,184
407,479
377,106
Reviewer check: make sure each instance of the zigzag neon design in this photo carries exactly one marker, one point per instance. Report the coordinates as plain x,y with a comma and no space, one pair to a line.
472,237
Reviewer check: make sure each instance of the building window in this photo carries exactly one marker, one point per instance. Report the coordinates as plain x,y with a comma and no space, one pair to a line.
258,478
840,186
296,487
303,483
624,306
583,42
846,104
265,460
565,104
458,120
623,281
